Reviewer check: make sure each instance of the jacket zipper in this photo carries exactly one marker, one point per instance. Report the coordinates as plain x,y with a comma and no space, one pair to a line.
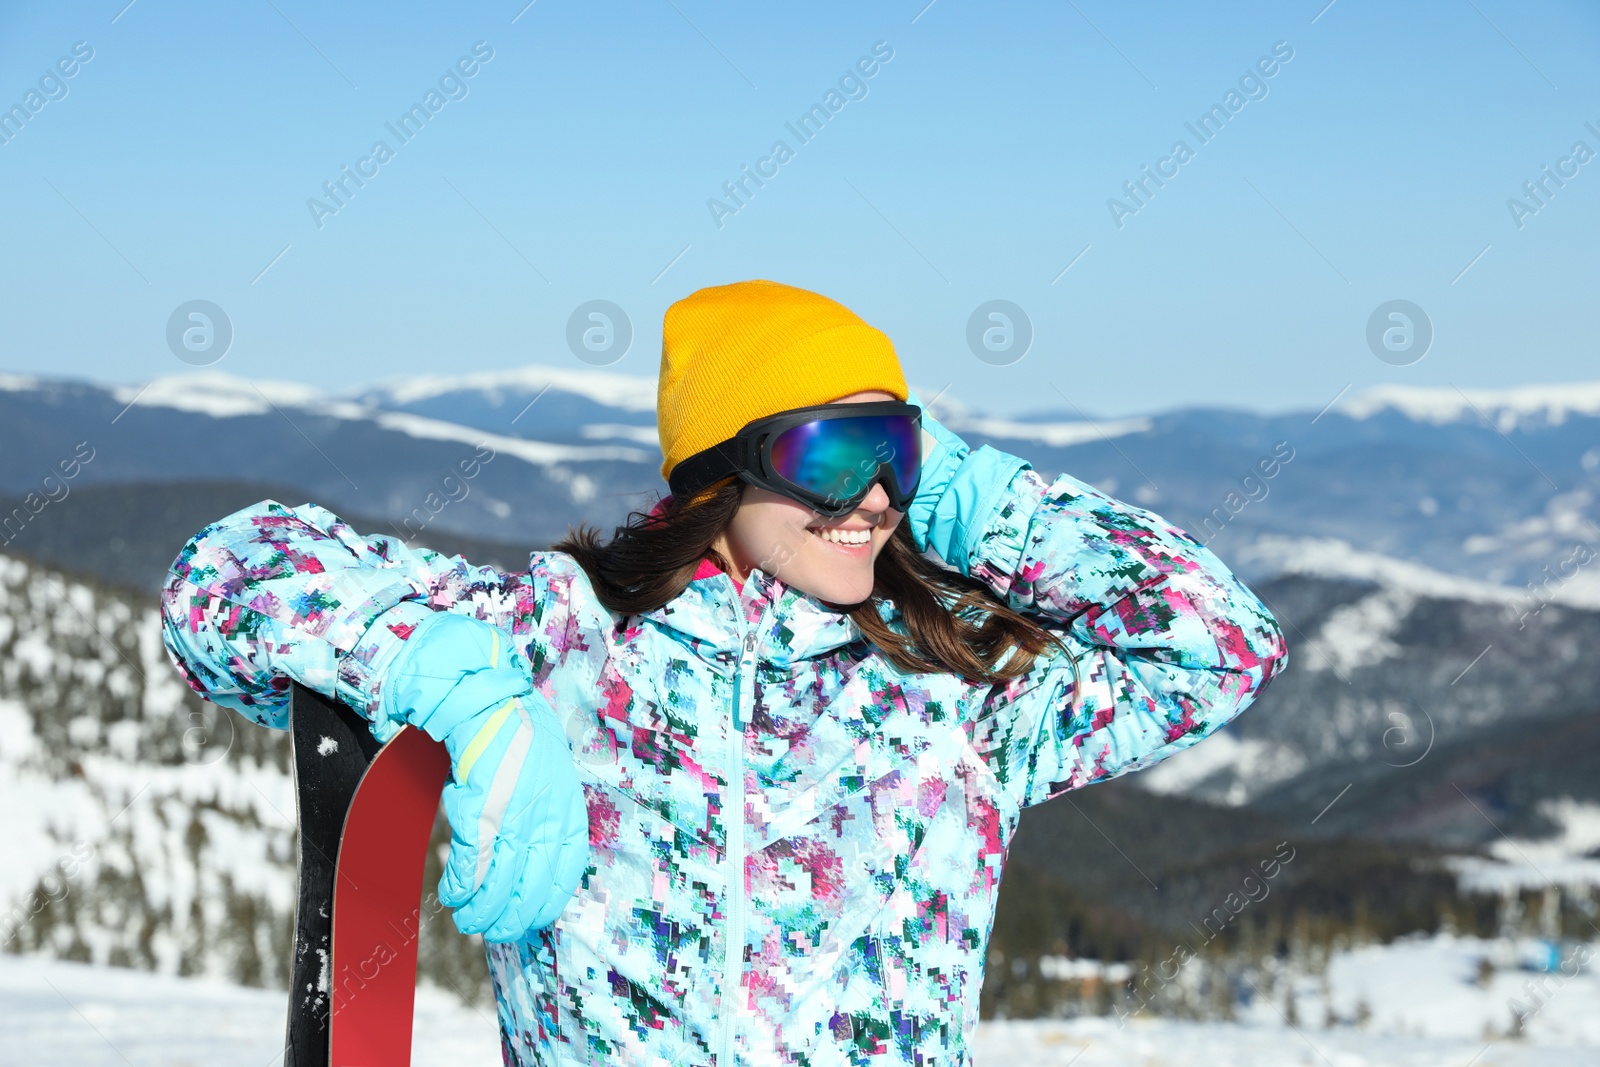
733,952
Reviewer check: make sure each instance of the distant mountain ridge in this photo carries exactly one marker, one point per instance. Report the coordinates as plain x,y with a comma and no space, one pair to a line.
1520,406
1498,486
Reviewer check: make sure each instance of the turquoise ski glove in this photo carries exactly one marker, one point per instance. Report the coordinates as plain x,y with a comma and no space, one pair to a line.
519,827
957,492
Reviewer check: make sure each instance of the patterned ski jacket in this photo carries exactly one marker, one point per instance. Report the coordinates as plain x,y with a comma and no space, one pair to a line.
796,846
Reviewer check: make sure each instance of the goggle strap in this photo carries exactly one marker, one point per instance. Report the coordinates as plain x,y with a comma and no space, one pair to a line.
707,467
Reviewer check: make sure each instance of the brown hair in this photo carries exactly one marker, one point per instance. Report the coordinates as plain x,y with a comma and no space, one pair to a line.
955,624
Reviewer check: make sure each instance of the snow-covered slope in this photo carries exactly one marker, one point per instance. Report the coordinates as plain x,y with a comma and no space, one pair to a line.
1425,1003
1329,557
59,1014
143,827
1567,860
1400,678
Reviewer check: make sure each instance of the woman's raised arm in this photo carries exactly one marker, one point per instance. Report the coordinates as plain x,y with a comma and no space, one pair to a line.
274,594
1169,644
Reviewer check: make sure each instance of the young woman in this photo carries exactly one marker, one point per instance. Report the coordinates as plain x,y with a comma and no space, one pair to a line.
737,786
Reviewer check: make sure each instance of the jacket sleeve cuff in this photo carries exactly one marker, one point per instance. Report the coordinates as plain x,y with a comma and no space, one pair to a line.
363,669
968,504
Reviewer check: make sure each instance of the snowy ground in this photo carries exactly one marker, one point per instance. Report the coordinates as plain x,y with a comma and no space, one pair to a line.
1426,1003
55,1013
1154,1043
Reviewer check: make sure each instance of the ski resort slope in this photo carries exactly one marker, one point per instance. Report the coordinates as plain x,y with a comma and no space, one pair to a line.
1428,1002
55,1013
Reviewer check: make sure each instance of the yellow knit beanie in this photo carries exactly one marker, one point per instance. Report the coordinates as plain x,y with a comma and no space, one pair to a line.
731,354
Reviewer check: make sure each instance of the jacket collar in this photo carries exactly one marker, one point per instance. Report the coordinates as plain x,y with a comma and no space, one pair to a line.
717,615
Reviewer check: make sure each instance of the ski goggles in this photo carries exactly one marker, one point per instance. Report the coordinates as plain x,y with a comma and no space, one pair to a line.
827,457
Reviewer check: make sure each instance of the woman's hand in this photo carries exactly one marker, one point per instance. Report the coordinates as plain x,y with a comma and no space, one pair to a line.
519,840
942,453
957,491
519,827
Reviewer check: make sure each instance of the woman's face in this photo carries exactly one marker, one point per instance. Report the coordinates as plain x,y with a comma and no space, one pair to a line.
830,559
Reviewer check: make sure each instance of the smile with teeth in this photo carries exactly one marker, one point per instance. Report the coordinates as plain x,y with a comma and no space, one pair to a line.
839,536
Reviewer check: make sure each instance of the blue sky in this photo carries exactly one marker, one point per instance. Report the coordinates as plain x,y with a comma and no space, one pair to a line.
975,164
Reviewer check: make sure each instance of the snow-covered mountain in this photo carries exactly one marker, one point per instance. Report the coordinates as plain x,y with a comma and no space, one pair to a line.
1499,486
1422,693
569,401
1432,553
1525,407
1395,501
520,481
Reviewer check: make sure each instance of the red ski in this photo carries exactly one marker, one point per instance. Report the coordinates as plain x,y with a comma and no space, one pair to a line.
366,812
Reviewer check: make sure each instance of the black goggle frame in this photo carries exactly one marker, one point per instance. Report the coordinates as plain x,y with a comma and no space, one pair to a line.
748,454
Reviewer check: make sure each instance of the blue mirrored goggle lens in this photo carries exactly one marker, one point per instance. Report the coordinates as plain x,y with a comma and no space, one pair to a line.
839,457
